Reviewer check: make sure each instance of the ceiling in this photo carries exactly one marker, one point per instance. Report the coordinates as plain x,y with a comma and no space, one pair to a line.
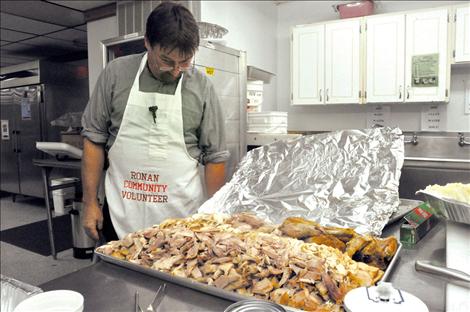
41,29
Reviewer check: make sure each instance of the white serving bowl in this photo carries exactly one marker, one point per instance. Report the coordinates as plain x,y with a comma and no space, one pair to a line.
53,301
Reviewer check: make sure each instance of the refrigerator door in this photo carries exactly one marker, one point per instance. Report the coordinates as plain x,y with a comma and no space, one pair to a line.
9,181
29,132
227,72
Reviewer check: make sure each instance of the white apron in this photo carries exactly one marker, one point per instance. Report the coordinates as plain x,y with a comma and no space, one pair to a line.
151,176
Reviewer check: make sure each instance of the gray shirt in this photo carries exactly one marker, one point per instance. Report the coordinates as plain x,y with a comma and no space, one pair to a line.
203,123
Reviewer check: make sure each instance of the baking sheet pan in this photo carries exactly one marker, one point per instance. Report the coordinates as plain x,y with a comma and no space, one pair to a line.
405,206
211,290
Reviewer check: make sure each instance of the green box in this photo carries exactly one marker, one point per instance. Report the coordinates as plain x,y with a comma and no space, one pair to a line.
417,223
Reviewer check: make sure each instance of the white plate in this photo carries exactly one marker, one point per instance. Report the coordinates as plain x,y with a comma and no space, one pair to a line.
53,301
58,149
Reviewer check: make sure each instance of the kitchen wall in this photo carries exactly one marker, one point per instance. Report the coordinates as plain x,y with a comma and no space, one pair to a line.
317,118
96,32
252,28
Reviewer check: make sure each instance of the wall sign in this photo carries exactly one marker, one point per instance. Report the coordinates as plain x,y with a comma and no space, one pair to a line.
210,71
378,115
425,70
5,129
433,117
25,109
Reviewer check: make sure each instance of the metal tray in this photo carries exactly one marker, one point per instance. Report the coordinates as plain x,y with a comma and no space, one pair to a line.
392,263
447,208
14,291
405,206
211,290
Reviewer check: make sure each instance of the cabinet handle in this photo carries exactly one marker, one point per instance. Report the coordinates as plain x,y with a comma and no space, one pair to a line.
327,97
399,96
407,92
321,98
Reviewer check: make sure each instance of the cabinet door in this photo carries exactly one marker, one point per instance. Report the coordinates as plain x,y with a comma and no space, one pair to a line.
385,58
308,65
342,63
426,61
462,34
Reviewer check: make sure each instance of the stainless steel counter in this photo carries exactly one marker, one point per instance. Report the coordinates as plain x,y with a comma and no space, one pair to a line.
424,286
107,287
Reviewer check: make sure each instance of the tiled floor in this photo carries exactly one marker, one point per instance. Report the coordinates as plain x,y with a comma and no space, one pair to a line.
22,264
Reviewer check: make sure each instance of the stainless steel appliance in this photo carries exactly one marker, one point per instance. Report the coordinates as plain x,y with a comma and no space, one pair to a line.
224,66
32,95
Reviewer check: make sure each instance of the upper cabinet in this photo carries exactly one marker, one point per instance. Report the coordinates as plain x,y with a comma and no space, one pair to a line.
385,61
462,34
396,58
308,64
325,63
426,58
342,62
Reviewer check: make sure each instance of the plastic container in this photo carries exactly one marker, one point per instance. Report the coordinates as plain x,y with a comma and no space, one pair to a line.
63,198
355,9
267,118
272,128
51,301
14,292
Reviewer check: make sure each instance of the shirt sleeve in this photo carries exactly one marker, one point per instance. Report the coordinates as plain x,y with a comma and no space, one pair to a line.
212,137
97,115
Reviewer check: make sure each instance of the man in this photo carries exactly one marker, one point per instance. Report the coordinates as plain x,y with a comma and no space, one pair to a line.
154,118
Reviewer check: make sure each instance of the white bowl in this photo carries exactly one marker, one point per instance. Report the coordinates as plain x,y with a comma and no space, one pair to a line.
53,301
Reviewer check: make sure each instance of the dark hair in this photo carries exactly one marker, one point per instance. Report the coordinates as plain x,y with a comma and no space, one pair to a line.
173,26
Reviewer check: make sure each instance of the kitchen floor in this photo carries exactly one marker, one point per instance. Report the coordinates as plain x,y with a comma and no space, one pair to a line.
21,264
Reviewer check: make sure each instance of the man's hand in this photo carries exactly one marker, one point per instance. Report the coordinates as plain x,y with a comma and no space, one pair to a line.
92,219
92,169
215,177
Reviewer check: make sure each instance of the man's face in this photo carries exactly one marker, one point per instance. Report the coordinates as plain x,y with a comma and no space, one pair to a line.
166,64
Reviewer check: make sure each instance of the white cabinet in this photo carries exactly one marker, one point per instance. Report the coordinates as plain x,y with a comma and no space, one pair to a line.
342,63
462,34
308,64
385,62
325,63
426,58
399,58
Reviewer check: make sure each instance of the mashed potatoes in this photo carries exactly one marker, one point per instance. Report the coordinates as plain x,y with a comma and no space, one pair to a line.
456,191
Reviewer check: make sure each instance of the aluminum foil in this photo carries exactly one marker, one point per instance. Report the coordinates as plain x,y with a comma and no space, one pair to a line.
13,292
345,178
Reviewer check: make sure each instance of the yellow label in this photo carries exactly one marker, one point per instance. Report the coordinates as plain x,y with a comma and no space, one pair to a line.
210,71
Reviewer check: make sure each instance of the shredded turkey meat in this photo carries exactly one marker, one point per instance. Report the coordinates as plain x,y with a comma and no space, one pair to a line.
240,253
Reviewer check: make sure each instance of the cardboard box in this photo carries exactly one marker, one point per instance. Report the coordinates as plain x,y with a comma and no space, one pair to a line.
417,223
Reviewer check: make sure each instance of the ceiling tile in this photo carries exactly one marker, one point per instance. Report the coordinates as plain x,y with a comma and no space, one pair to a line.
70,35
11,35
13,60
26,25
44,11
13,48
50,43
83,5
82,27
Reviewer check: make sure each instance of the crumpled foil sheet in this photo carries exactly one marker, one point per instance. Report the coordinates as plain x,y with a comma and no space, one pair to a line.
346,178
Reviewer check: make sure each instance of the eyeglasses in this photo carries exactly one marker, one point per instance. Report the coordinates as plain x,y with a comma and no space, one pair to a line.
183,67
